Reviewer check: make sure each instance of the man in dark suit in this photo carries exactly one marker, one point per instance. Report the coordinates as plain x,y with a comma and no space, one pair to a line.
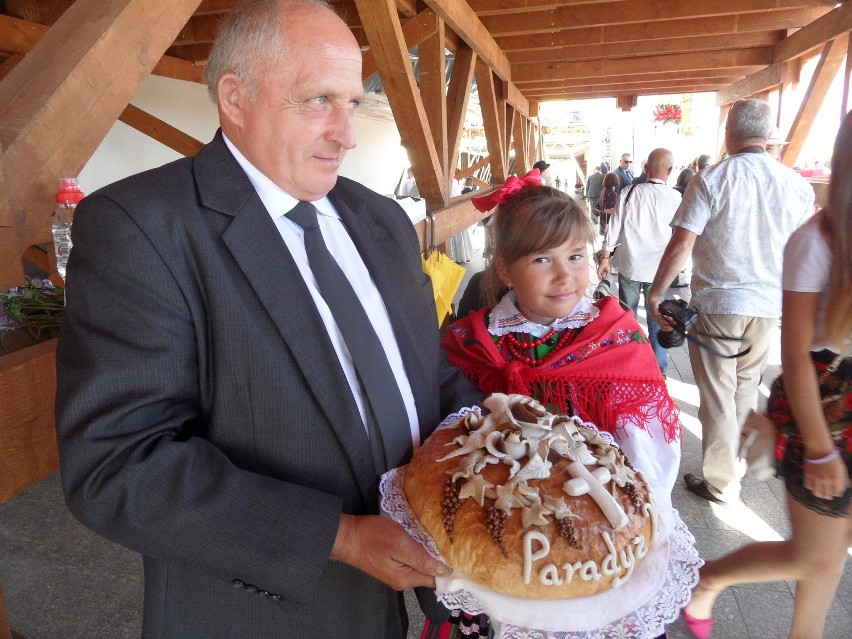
211,412
624,172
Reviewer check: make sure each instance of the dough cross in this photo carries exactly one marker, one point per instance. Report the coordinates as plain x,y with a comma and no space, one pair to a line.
593,483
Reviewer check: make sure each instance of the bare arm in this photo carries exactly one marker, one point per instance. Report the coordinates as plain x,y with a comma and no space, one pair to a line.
383,549
674,257
800,384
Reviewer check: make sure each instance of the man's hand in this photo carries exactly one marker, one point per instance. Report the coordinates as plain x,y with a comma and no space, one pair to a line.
603,268
654,300
381,548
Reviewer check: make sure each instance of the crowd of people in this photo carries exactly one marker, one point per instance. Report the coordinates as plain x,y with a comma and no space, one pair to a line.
230,413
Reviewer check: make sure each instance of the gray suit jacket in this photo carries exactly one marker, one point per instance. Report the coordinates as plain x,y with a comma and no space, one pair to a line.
203,417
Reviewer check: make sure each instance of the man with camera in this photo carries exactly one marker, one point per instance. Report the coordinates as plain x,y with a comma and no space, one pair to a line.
735,219
640,229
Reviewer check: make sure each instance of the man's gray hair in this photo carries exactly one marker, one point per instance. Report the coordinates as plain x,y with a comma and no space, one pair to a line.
250,42
749,119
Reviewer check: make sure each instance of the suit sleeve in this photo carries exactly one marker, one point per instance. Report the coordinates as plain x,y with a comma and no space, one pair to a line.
137,462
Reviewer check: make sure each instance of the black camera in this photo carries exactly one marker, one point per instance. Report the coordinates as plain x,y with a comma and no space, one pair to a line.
680,317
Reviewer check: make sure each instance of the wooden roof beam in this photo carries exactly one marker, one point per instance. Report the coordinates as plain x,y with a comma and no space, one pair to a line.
608,14
652,30
493,119
834,23
19,36
723,77
44,12
161,131
824,74
520,140
433,86
670,90
458,97
759,57
390,52
94,57
465,23
516,98
648,47
415,31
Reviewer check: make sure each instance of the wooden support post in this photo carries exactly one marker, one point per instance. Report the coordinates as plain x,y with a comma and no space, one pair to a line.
493,119
381,24
162,132
458,96
433,86
826,69
60,101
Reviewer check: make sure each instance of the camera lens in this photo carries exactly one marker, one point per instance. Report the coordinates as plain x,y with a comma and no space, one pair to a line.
669,339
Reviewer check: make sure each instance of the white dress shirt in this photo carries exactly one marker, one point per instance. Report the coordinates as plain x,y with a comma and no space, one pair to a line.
278,203
641,230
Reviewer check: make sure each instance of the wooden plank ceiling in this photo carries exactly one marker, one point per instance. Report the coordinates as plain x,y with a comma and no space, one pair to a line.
517,52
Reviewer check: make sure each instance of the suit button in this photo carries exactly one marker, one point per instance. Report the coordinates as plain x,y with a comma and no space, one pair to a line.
236,583
264,593
250,588
277,597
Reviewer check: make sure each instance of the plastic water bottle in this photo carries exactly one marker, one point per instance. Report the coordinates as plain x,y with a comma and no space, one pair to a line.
67,198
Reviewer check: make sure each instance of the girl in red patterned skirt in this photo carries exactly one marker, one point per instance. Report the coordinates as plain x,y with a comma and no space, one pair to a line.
812,407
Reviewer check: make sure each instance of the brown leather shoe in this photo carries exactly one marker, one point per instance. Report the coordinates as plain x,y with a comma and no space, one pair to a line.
698,486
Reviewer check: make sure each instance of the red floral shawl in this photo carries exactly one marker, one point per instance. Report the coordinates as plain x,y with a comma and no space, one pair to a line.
608,371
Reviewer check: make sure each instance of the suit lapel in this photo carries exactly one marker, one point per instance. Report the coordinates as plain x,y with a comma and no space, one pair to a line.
261,254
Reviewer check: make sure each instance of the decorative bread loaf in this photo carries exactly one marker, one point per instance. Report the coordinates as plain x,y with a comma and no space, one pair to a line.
531,504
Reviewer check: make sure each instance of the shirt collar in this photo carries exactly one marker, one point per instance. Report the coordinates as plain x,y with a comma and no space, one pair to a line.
276,200
506,318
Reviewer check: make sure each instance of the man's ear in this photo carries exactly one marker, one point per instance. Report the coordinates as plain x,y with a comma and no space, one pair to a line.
232,96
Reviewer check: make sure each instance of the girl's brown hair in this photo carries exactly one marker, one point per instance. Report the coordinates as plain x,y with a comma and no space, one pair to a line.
536,219
838,321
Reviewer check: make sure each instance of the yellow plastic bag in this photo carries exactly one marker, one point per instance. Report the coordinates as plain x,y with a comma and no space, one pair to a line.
446,278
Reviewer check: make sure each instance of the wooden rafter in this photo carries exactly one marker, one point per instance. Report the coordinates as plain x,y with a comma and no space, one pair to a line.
384,33
458,96
465,23
638,48
834,23
691,62
825,72
501,22
415,31
161,131
493,119
651,30
520,142
433,86
85,49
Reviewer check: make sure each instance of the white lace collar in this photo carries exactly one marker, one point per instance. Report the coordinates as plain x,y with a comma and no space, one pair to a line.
506,318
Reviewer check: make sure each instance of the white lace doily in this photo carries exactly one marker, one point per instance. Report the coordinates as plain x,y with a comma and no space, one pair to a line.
659,596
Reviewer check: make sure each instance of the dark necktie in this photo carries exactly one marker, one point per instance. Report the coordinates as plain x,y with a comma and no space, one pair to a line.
387,418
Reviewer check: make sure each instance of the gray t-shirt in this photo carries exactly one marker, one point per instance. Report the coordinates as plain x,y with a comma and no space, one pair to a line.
743,210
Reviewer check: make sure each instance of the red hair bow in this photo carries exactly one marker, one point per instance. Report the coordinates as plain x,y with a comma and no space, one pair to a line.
507,191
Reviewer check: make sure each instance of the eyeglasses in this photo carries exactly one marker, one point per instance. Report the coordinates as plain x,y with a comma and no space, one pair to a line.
627,161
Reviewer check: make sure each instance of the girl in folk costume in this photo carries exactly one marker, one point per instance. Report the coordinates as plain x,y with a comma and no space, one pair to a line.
543,337
811,404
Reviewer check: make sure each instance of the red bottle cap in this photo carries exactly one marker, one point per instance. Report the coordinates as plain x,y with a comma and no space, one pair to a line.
69,192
